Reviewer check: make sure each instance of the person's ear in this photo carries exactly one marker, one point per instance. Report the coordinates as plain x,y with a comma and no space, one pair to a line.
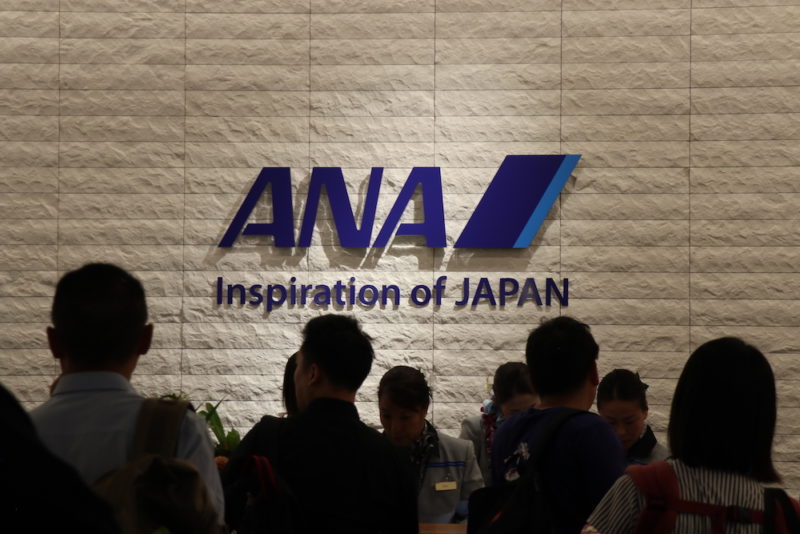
315,375
54,342
145,340
594,376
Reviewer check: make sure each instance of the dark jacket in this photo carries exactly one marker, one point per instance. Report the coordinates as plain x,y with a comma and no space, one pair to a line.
346,476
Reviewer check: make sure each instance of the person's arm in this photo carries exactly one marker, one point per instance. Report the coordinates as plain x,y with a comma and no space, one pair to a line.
194,445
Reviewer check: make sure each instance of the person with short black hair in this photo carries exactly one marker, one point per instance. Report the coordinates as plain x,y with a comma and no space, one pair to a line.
346,477
512,392
721,428
99,332
288,392
447,471
584,457
622,402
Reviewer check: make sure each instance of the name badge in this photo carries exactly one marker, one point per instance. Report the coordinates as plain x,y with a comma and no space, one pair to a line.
447,485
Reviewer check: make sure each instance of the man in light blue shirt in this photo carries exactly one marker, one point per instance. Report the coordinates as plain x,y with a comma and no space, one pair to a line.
100,331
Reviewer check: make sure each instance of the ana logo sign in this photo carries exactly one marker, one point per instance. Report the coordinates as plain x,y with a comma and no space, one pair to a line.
508,215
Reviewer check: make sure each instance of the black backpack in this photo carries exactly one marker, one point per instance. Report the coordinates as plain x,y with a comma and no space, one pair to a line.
522,505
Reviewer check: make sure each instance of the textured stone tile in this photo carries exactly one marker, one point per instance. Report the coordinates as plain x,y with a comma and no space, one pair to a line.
498,25
746,286
745,47
29,154
626,49
29,388
141,103
27,283
28,231
745,73
627,259
248,6
246,154
513,103
531,76
247,103
28,24
746,127
641,338
626,233
123,51
626,102
487,154
471,6
742,233
373,26
247,129
28,102
159,362
777,19
488,129
625,128
372,103
246,78
246,51
394,257
27,206
28,76
744,259
28,128
626,22
745,313
742,3
372,129
745,153
27,362
745,180
121,154
372,78
28,50
625,75
122,25
370,51
746,206
628,285
121,206
122,77
483,51
631,180
462,337
121,181
31,5
125,232
591,5
377,154
131,257
28,180
630,154
540,258
625,311
246,26
28,258
372,6
135,6
485,314
625,206
768,339
121,129
261,257
746,100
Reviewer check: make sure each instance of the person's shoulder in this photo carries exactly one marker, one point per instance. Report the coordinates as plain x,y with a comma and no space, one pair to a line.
459,445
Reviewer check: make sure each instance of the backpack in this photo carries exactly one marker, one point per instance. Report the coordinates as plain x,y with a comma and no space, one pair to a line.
523,504
659,485
155,490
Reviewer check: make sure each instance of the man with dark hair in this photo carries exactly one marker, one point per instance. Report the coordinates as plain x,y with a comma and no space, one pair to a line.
99,332
345,476
584,457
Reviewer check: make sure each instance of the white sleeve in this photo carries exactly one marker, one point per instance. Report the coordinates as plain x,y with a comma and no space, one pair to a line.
618,511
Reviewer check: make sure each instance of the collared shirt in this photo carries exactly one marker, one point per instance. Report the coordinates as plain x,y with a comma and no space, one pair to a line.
90,421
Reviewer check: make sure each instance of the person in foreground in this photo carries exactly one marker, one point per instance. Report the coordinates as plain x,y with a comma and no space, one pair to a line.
99,332
721,428
622,402
512,392
447,471
585,457
345,476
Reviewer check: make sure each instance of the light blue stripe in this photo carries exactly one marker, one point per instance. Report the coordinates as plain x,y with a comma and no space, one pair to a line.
548,199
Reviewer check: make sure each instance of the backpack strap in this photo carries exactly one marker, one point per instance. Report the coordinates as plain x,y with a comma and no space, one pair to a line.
658,483
549,431
158,427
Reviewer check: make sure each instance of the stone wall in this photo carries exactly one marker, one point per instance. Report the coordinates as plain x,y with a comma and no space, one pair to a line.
130,131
